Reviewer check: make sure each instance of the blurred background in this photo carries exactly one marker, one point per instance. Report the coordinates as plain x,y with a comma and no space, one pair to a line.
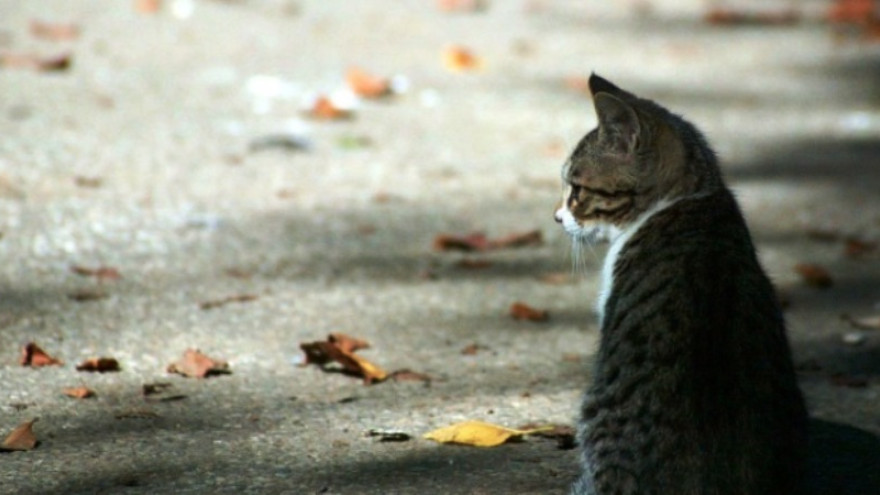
244,176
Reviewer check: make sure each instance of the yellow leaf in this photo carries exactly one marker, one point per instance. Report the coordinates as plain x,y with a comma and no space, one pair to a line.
477,434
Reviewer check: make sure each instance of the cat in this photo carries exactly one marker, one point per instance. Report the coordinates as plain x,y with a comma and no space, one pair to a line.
694,391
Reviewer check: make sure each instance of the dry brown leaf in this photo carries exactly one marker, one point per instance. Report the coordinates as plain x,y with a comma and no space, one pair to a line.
367,85
477,434
460,59
32,355
857,248
522,311
321,353
197,365
814,275
21,438
851,11
102,273
238,298
462,5
727,17
519,239
147,6
99,365
347,343
79,392
54,31
325,109
52,63
476,241
864,323
86,295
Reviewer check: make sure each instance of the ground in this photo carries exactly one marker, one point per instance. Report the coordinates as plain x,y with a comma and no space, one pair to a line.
143,155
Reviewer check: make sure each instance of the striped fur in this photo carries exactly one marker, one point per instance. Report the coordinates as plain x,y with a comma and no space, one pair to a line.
693,392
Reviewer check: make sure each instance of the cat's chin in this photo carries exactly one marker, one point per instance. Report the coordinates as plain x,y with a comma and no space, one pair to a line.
592,234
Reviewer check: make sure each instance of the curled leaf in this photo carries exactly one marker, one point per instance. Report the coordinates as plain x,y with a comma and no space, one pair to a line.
32,355
367,85
99,365
522,311
79,392
321,353
476,241
197,365
814,275
21,438
325,109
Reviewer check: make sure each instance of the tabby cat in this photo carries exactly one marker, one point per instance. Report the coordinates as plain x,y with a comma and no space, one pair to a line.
694,391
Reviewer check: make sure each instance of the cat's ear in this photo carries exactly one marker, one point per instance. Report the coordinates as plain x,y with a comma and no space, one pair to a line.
618,122
599,84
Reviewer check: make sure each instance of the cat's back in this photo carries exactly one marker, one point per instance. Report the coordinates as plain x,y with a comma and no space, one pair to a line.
694,355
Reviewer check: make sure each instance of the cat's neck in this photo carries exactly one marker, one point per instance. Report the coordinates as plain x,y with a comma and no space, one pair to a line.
618,238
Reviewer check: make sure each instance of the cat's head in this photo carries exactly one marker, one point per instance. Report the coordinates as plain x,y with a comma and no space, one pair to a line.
638,155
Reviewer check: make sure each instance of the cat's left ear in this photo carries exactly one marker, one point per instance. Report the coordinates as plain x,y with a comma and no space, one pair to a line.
618,122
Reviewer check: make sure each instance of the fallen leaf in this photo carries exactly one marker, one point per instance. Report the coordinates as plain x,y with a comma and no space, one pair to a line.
727,17
477,434
325,109
460,59
101,273
321,353
462,5
851,11
388,435
367,85
520,239
473,264
814,275
864,323
406,375
238,298
564,435
197,365
347,343
34,356
79,392
522,311
476,241
473,349
857,248
52,63
21,438
99,365
54,31
147,6
86,295
847,380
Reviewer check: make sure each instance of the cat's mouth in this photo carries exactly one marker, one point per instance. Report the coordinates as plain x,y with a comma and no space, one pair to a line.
584,234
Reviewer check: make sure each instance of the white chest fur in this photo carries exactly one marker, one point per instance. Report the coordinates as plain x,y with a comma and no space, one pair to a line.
619,238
